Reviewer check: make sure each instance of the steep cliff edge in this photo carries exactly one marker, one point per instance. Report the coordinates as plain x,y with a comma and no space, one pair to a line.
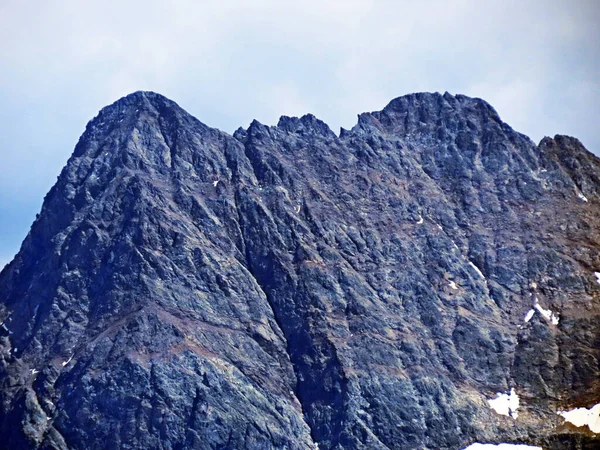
285,287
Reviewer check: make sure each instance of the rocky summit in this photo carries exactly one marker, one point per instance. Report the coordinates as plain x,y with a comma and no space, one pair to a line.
428,279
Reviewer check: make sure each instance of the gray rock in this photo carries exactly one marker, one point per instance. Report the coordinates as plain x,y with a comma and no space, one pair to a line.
285,287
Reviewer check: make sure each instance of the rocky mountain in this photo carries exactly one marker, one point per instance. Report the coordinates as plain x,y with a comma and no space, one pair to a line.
425,280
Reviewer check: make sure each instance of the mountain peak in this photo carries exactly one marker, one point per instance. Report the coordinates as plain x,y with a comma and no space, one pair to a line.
183,288
307,124
429,115
140,101
429,106
140,110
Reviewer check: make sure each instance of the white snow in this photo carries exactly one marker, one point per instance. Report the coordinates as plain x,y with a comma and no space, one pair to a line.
478,446
64,363
548,314
597,276
420,221
440,227
581,196
506,404
582,416
544,312
476,269
529,315
4,326
34,371
215,183
297,209
453,284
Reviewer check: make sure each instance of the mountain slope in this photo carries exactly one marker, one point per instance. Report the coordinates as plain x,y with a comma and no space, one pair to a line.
286,287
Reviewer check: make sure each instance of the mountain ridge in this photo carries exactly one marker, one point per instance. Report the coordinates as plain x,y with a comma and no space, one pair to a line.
340,290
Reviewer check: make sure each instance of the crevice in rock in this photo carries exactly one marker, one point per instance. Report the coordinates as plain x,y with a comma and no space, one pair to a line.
322,406
247,263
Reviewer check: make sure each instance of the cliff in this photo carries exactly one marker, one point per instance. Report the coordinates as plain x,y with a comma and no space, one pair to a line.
286,287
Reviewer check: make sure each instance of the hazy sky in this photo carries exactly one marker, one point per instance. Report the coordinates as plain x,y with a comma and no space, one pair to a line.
228,62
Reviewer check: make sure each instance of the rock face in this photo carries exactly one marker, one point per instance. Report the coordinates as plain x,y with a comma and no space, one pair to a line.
288,288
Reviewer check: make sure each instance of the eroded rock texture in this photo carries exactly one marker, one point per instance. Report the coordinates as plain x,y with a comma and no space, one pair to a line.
286,288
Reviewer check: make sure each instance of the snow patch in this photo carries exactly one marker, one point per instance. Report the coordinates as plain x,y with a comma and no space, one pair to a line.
215,183
420,221
506,404
529,315
478,446
476,269
597,276
581,196
582,416
453,284
548,314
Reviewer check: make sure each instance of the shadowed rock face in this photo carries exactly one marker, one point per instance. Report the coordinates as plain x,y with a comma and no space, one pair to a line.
285,287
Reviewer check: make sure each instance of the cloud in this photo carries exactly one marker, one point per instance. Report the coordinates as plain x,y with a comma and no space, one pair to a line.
229,62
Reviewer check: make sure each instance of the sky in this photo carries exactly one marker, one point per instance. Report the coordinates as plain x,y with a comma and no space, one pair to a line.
229,62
